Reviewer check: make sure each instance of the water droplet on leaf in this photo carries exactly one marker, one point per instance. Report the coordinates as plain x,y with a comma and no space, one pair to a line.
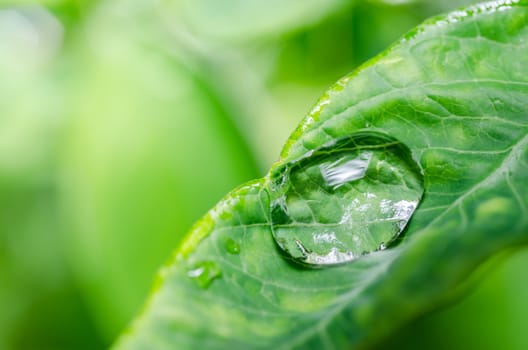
203,273
232,247
345,199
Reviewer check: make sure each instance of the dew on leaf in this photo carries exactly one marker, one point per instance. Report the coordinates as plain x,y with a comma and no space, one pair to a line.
232,247
345,199
204,273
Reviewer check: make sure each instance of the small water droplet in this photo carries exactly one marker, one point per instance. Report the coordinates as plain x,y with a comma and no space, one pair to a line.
204,273
232,247
345,199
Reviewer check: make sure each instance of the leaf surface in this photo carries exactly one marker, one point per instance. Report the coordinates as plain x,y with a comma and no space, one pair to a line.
454,91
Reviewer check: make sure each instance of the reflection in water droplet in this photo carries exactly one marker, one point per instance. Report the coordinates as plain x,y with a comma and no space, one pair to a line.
232,247
345,169
203,273
344,200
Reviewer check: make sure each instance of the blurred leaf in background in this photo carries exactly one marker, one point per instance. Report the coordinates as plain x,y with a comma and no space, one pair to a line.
238,21
38,298
148,149
122,122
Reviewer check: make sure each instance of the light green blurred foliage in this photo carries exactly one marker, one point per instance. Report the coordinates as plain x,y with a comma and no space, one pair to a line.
121,122
38,298
148,149
235,21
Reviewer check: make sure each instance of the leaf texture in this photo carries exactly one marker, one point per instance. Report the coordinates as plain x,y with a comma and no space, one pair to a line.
454,91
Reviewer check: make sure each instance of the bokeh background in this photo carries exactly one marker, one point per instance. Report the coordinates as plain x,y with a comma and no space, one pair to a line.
122,122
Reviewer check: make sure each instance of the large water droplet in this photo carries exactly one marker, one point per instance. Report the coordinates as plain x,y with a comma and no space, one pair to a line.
344,200
203,273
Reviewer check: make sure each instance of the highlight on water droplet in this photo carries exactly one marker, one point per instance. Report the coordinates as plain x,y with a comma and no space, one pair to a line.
232,246
204,273
346,199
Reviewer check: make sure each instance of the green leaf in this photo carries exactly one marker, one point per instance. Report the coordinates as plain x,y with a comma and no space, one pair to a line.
454,91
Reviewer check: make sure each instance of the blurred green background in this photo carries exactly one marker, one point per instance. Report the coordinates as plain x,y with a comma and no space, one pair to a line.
122,122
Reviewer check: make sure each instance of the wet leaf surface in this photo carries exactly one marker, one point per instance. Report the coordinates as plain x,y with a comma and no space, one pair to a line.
454,91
